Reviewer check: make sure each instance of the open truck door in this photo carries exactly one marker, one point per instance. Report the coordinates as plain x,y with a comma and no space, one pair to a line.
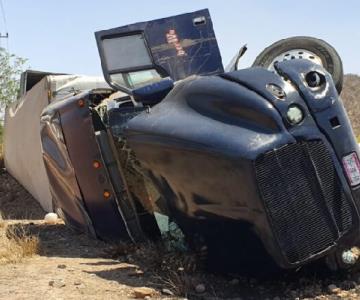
176,47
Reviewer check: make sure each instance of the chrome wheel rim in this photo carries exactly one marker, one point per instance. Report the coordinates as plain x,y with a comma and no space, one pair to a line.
296,54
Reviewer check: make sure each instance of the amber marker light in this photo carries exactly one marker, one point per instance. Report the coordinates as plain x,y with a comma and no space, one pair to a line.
96,164
107,194
81,103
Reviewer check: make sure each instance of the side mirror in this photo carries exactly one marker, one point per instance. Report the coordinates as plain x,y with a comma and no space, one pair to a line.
234,62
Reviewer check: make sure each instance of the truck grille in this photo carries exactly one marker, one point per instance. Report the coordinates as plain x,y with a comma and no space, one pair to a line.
304,199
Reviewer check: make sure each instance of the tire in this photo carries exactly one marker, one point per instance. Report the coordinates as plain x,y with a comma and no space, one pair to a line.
328,56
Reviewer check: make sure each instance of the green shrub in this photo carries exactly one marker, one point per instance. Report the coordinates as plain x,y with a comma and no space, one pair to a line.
1,135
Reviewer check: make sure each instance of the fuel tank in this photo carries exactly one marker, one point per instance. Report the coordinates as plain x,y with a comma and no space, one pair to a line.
259,150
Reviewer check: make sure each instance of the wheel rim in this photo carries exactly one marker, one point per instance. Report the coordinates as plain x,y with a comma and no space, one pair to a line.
296,54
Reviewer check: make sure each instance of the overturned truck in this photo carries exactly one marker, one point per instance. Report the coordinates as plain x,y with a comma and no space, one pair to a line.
259,163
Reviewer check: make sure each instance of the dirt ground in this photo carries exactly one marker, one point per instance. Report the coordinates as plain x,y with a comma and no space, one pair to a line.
70,265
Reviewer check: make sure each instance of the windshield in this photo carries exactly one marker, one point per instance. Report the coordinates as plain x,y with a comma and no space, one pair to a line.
136,79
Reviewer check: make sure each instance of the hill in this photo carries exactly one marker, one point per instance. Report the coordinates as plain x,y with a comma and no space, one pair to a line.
351,98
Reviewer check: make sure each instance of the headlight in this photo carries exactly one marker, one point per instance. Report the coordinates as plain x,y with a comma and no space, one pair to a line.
315,79
294,114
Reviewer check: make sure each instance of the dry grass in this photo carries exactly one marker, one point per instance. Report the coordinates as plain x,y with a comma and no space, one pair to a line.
178,282
16,243
2,222
2,165
172,270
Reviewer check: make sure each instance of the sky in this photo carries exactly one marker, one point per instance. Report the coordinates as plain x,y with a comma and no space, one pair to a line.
58,36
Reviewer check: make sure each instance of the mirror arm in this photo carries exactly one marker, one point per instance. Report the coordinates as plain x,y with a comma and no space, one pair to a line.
233,65
242,51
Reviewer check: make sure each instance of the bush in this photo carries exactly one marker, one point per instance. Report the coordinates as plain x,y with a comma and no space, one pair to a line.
16,243
1,146
11,66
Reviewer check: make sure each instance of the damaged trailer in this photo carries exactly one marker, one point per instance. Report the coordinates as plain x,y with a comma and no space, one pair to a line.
258,164
22,143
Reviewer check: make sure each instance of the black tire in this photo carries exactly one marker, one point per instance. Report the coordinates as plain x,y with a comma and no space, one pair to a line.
328,55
